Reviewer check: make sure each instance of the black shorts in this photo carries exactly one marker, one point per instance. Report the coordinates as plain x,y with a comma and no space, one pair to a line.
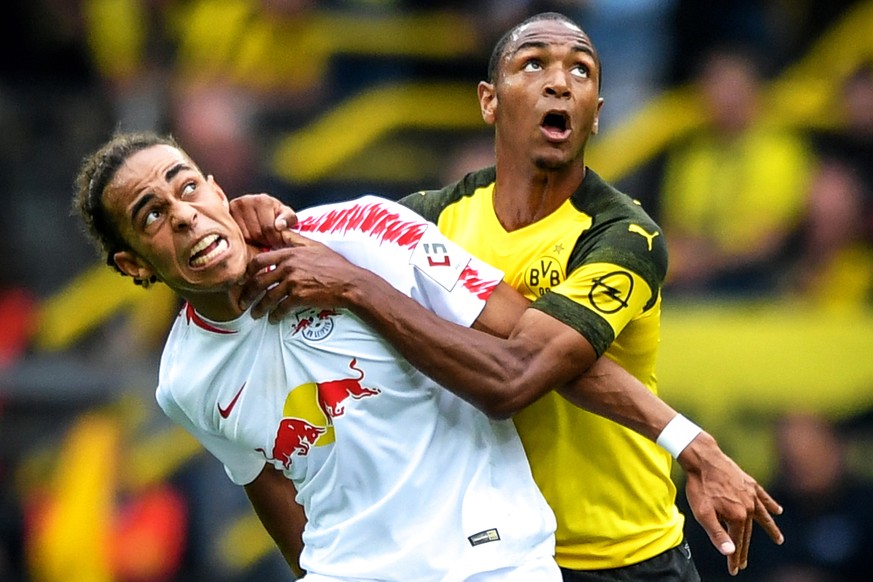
673,565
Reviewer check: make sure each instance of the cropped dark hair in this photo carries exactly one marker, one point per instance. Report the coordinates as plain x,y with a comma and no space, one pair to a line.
95,173
500,48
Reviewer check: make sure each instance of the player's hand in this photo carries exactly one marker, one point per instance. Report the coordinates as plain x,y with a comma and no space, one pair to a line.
262,219
726,500
304,272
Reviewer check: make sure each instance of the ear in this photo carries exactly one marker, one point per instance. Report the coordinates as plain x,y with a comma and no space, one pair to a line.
132,265
487,102
596,125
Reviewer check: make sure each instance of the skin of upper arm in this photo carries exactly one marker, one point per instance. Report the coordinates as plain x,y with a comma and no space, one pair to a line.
554,355
272,496
537,336
546,353
540,354
502,311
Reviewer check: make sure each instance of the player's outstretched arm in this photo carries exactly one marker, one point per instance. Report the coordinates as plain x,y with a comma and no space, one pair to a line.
272,496
724,499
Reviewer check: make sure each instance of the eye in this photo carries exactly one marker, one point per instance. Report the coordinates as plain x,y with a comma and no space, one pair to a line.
532,65
581,71
151,216
189,188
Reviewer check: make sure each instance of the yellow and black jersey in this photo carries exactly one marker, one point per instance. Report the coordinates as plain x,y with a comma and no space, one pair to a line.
597,264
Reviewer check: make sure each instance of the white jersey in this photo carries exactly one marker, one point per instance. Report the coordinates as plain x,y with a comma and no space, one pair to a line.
399,478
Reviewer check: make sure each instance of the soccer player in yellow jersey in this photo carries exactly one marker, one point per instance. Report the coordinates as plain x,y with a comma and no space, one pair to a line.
592,262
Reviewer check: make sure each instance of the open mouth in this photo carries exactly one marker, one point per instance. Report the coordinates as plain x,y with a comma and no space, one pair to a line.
556,125
209,247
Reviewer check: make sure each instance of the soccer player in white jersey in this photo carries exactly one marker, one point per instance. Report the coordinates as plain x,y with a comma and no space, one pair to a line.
399,479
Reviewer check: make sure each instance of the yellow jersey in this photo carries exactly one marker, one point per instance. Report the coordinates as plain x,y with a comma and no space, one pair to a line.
597,264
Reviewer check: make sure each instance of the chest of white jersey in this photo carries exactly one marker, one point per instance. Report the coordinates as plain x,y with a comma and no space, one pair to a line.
399,478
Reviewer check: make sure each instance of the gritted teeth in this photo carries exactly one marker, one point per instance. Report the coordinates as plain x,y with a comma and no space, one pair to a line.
203,243
206,248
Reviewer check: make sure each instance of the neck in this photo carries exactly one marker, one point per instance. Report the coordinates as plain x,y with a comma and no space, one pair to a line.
222,302
525,195
220,306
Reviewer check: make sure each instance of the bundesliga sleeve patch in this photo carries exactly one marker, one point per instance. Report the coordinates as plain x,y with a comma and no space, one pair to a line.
439,258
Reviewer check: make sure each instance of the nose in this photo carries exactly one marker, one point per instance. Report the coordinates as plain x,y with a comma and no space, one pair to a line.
557,84
182,216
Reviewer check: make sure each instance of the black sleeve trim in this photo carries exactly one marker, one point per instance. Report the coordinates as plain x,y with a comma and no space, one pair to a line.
590,325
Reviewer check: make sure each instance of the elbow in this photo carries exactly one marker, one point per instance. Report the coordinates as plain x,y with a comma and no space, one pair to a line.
513,397
502,386
497,411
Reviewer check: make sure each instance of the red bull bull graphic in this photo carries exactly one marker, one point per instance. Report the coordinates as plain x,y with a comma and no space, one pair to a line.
308,415
313,324
303,426
332,394
294,435
301,325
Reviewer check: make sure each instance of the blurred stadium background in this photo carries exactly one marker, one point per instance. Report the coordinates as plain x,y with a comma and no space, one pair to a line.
320,101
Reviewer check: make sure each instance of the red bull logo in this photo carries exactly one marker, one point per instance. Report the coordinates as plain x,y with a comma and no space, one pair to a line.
308,414
332,394
301,325
294,435
313,324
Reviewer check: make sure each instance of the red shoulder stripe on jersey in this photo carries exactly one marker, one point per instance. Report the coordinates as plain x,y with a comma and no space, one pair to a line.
192,317
477,286
372,219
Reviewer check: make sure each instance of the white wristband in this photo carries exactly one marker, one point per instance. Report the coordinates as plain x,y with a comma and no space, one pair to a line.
677,435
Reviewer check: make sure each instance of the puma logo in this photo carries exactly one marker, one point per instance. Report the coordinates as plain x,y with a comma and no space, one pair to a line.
637,229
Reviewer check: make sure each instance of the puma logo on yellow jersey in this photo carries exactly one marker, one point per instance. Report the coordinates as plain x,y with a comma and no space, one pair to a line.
649,236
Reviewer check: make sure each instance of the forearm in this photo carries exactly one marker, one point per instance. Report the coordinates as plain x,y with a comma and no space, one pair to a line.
272,498
289,546
494,374
609,390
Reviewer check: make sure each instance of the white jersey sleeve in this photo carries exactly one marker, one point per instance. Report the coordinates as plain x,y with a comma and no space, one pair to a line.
247,465
408,252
